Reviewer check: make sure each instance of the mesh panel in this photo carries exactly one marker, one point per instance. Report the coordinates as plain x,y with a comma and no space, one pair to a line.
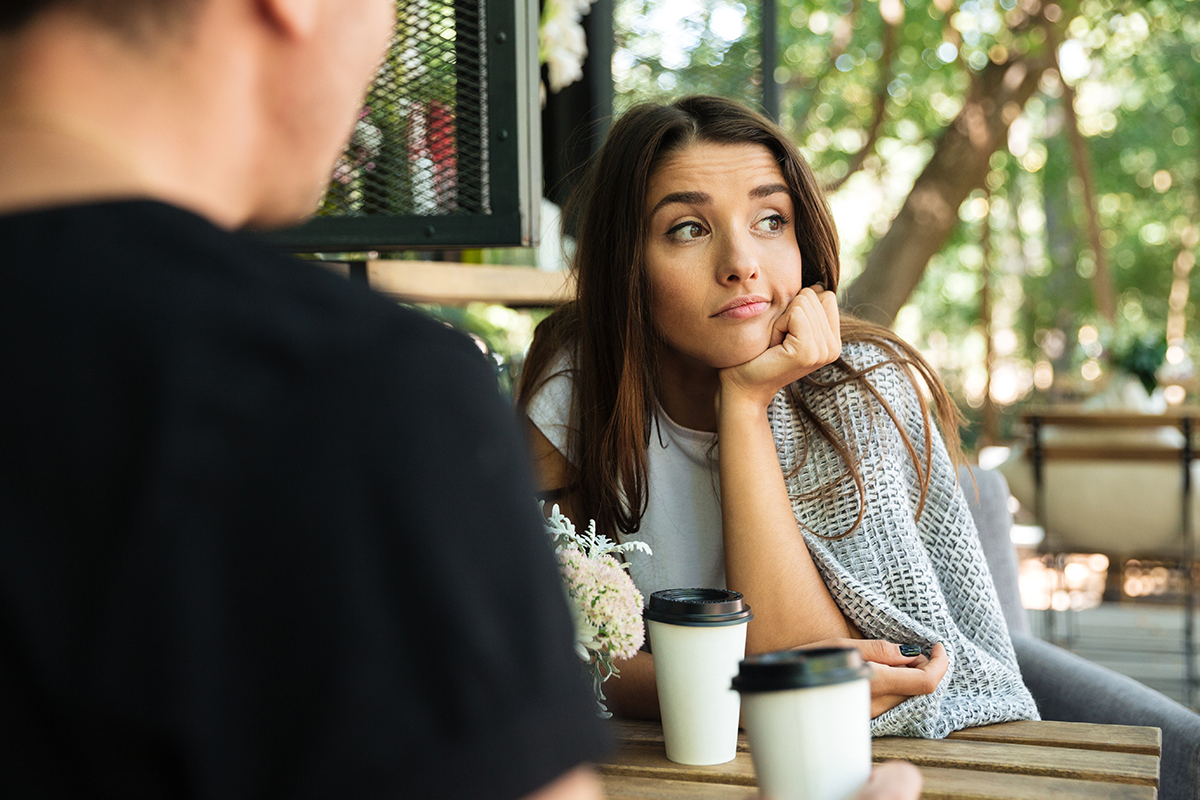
420,145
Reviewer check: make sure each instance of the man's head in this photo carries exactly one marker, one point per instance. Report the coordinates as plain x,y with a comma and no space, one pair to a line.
235,108
131,17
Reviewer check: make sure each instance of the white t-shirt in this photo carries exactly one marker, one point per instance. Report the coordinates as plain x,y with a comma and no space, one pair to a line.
682,523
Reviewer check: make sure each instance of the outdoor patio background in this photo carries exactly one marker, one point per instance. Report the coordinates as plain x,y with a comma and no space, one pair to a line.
1139,636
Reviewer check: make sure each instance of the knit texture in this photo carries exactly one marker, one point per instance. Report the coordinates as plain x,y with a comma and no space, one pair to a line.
900,577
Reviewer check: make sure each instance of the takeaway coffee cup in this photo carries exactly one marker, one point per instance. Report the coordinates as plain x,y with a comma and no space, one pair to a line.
698,636
807,714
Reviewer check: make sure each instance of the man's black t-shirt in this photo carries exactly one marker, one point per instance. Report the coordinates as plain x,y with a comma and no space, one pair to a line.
262,533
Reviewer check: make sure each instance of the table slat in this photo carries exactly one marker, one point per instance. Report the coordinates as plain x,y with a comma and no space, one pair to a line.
1090,418
641,731
627,787
1024,759
1081,735
941,783
1108,453
648,761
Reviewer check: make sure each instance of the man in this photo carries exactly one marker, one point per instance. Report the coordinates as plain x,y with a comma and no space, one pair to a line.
262,533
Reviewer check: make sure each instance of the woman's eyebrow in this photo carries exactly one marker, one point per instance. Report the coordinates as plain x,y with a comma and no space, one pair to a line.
687,198
766,190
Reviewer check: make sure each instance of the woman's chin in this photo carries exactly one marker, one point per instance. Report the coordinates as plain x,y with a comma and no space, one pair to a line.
737,358
745,351
732,352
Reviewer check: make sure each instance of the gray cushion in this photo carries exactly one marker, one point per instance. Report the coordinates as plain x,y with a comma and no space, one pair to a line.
988,498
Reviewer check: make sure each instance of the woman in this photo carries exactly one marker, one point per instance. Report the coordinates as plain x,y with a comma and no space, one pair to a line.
706,268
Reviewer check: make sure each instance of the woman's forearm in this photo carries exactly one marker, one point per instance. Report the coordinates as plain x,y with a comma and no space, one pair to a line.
634,694
766,558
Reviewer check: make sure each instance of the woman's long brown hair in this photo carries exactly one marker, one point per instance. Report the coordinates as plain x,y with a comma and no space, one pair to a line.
610,334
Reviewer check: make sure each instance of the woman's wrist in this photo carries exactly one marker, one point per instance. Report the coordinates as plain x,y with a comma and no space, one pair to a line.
735,397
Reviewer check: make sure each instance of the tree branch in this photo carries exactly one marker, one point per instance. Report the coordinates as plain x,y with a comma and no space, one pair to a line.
842,31
1103,285
891,23
959,166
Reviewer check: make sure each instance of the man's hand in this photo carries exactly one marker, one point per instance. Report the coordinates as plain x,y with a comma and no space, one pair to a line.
894,677
893,780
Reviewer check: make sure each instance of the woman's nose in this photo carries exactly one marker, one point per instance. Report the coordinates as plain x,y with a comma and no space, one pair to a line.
739,262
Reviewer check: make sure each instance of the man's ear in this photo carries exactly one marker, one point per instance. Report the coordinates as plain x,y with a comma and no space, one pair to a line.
294,18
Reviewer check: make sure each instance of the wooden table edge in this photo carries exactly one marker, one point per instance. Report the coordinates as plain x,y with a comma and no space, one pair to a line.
1138,739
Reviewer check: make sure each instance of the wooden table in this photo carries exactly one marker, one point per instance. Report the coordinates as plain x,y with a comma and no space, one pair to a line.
1011,761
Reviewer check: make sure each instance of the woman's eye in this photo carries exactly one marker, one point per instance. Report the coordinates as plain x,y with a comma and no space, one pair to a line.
686,231
772,224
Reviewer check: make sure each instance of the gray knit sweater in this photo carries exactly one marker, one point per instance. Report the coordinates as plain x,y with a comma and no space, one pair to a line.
899,577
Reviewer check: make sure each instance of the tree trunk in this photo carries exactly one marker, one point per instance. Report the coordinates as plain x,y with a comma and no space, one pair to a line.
959,166
990,434
1103,285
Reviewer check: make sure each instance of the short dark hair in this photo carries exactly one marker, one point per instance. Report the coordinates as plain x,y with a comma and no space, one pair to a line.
131,17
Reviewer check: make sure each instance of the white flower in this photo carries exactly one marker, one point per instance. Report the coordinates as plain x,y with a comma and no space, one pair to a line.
562,43
563,534
608,607
605,605
585,633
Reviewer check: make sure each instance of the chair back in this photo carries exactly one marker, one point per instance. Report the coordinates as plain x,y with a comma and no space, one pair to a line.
987,496
1112,482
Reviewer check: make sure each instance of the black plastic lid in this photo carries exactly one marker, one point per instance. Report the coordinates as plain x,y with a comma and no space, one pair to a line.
800,669
698,607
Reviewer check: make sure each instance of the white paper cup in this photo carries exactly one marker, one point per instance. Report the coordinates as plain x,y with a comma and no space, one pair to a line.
807,715
698,636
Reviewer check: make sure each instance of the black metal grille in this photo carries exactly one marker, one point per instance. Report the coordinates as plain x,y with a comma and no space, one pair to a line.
420,147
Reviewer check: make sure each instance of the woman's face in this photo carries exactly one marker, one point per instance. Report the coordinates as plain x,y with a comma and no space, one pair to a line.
721,255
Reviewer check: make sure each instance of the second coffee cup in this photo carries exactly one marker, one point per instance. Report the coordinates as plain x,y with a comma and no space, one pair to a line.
698,636
808,718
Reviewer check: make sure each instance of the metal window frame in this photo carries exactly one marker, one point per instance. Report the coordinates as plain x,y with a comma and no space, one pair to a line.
769,47
514,165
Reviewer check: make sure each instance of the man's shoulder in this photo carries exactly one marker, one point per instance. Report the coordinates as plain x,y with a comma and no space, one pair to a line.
162,286
144,254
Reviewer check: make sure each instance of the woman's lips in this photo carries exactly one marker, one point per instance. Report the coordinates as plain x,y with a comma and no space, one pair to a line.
744,308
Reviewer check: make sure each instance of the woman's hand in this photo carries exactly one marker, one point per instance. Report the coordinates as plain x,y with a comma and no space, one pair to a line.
805,337
894,677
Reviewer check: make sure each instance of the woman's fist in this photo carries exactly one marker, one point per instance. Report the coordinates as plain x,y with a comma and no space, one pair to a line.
804,338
